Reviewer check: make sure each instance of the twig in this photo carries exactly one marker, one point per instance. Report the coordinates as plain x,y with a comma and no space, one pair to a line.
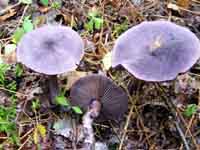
182,135
126,127
23,14
22,145
4,89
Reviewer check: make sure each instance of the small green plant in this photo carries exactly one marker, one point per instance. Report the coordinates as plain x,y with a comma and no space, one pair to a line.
62,101
7,84
77,109
27,26
190,110
120,28
55,5
3,69
19,70
35,104
11,86
7,123
95,21
8,113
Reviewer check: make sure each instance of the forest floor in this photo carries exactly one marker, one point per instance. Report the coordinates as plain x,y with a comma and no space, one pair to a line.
161,116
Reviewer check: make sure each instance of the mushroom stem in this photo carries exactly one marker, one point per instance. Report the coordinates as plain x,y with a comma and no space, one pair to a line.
53,87
92,113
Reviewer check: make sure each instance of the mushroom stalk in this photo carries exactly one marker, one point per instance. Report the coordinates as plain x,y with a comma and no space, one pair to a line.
88,118
53,87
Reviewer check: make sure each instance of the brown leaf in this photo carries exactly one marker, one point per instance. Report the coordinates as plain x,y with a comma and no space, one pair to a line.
131,13
183,3
67,17
114,3
72,77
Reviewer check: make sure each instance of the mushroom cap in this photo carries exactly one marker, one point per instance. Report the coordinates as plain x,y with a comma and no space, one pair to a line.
50,49
114,100
156,50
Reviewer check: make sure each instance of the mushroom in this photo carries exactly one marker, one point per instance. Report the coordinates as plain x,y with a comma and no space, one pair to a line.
156,50
100,98
102,90
51,50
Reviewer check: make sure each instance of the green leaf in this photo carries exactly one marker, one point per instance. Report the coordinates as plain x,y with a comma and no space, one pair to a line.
56,5
89,26
19,70
18,35
44,2
26,1
120,28
42,130
11,86
35,104
77,110
94,21
15,138
27,24
190,110
61,100
3,69
98,23
7,116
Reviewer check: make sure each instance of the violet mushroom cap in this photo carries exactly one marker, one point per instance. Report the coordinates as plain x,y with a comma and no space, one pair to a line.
113,99
51,49
156,50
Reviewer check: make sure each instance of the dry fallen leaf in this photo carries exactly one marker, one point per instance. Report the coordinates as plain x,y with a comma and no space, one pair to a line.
183,3
173,7
10,13
72,77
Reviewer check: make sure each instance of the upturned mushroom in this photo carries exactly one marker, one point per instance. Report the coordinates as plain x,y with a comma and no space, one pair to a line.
113,101
101,99
51,50
156,50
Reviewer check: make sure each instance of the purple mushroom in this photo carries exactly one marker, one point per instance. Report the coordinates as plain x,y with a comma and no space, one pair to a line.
51,50
156,50
113,101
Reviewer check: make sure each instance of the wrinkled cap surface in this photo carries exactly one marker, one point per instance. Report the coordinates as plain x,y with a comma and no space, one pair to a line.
156,50
114,100
50,49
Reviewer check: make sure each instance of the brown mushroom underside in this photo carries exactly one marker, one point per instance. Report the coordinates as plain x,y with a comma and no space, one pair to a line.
113,99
